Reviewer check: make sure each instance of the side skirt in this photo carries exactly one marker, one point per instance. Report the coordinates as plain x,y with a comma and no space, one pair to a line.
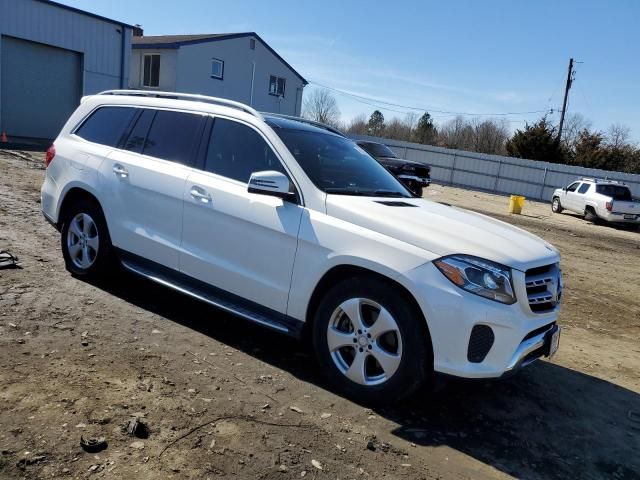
217,297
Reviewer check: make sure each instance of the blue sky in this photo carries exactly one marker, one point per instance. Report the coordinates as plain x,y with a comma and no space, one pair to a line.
491,56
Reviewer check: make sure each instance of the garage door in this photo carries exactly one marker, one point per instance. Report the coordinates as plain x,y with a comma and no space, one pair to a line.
40,87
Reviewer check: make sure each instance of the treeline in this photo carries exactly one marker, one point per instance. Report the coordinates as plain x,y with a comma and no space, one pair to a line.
580,144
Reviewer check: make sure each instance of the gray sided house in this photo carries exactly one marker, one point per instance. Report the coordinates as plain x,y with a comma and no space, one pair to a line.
237,66
50,56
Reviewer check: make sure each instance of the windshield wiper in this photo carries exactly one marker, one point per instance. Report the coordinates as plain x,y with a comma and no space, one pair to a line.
365,193
345,191
388,193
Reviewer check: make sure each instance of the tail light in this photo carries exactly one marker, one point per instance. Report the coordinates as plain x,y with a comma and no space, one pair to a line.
609,206
51,152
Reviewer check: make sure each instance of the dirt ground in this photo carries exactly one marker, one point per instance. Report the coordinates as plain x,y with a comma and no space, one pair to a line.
223,398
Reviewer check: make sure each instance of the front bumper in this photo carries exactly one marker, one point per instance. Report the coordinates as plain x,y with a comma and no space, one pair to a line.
518,335
531,349
422,181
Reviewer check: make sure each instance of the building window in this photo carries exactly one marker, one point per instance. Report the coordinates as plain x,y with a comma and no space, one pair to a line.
276,86
151,70
217,68
252,43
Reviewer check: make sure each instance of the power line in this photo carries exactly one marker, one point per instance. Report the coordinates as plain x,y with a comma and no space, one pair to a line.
378,104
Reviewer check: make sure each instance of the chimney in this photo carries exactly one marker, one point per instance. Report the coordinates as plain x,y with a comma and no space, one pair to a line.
137,30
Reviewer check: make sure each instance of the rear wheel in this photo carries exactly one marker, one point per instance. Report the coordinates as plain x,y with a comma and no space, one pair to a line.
85,242
555,205
590,215
365,339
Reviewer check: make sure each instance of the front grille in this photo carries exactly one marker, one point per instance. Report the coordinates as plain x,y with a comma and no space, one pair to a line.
422,172
480,342
544,287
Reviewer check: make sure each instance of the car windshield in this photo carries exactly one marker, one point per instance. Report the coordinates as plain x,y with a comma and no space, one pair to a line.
617,192
377,150
339,166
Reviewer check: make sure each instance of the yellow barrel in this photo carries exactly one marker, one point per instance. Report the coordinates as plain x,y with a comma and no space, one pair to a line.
516,202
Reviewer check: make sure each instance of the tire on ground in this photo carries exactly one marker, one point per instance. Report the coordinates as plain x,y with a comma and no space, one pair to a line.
556,206
101,263
590,215
416,357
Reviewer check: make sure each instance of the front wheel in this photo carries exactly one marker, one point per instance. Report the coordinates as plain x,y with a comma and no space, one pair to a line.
555,205
85,242
417,190
370,342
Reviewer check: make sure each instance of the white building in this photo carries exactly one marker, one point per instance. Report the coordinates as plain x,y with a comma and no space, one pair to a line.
50,56
237,66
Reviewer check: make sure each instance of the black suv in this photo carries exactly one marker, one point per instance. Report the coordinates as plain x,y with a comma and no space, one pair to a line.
414,175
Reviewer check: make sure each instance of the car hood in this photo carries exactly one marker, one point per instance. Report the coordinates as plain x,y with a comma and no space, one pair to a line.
444,230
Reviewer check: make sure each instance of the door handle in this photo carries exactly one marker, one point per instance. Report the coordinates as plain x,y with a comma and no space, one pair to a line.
120,171
200,194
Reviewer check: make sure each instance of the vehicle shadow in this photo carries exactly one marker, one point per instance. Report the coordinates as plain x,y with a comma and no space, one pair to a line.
547,422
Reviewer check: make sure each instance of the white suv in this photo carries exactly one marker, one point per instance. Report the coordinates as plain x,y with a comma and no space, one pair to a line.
296,228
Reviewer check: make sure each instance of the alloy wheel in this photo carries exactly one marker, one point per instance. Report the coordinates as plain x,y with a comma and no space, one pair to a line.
83,241
364,341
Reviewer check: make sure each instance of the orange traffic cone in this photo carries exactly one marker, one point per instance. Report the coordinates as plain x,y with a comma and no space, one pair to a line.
3,139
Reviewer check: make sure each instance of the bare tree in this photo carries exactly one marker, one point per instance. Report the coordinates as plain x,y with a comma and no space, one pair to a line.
397,129
490,136
484,136
456,133
322,107
618,136
573,124
357,125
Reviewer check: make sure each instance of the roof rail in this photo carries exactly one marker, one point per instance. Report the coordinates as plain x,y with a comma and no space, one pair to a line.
308,122
185,96
600,180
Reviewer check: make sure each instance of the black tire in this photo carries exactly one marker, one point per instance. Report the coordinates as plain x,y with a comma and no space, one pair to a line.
590,215
417,191
556,207
99,262
415,358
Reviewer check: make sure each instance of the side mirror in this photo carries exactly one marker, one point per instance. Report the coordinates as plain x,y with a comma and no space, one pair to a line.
271,183
564,189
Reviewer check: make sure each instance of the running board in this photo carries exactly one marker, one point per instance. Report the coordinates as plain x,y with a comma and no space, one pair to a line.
213,296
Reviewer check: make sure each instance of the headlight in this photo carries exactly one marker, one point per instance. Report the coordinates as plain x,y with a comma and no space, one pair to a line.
482,277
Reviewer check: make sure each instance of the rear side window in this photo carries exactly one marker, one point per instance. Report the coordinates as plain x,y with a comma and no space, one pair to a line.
173,135
616,192
583,188
236,151
106,125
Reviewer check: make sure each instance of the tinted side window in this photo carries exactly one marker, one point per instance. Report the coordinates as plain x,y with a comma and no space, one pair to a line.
172,136
583,188
236,151
106,125
136,141
572,187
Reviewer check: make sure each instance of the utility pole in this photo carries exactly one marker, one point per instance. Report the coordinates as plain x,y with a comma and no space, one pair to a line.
570,74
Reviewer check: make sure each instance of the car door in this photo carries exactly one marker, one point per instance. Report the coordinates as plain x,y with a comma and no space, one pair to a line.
569,201
580,197
241,242
144,183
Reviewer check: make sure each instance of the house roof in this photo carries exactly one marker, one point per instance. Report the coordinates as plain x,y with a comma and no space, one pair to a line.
84,12
177,41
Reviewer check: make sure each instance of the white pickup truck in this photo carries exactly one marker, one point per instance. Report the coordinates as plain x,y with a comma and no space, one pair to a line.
606,200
